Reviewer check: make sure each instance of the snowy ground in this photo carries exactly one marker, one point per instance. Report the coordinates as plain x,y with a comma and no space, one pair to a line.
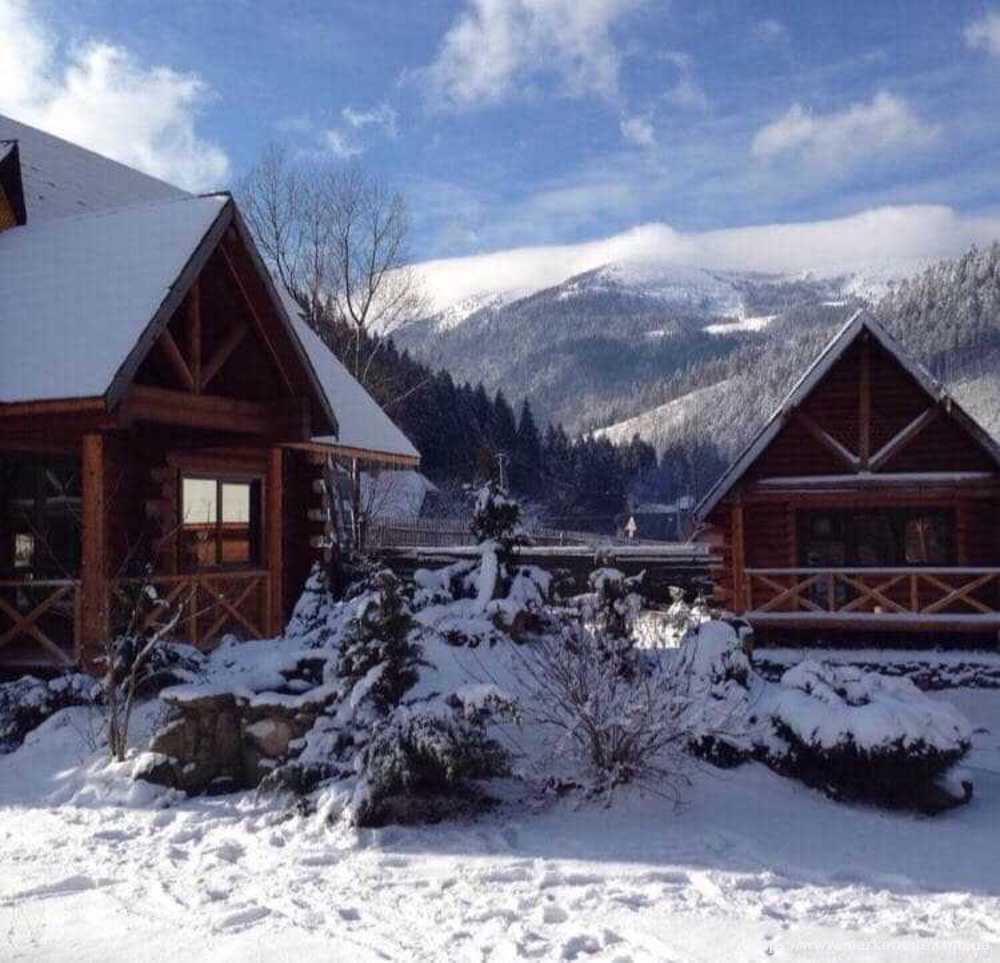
753,867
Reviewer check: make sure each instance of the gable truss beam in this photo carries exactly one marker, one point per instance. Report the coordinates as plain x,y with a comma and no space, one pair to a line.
169,350
902,438
229,344
193,332
865,402
844,454
252,308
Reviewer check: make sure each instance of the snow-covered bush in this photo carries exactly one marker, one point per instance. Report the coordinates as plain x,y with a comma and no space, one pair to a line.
614,602
718,690
485,602
683,615
851,733
863,735
607,707
379,645
416,756
27,702
398,740
309,613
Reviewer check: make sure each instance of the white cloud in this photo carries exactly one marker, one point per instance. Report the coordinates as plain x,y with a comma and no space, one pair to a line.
770,30
382,116
639,131
344,142
893,237
835,140
686,91
341,144
984,33
98,95
494,45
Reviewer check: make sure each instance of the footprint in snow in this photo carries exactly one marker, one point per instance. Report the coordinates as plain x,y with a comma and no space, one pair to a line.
228,851
183,836
518,873
557,878
580,945
115,835
554,914
667,877
63,887
241,919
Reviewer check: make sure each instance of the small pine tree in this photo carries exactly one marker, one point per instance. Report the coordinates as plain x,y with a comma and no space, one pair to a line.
495,516
381,635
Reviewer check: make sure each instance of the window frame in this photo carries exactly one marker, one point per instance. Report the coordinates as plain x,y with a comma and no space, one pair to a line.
845,533
255,521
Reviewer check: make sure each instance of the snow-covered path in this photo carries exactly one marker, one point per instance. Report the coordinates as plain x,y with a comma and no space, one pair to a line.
753,867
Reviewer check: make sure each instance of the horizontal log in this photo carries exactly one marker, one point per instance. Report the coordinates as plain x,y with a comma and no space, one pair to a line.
274,421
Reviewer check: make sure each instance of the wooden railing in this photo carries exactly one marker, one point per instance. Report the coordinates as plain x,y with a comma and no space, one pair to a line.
894,591
40,614
211,604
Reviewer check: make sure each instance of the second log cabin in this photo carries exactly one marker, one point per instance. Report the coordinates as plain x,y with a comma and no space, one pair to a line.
868,506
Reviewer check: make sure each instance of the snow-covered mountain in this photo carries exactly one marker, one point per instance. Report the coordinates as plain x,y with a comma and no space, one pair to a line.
606,344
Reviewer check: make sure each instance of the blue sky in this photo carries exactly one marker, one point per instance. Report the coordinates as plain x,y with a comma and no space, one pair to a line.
522,122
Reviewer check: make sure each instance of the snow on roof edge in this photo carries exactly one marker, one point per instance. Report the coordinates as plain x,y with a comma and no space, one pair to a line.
363,424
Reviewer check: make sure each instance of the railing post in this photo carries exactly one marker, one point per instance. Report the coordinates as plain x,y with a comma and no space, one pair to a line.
274,524
914,593
95,621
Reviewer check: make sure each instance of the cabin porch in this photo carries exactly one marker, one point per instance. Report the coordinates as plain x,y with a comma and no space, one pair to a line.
224,533
896,558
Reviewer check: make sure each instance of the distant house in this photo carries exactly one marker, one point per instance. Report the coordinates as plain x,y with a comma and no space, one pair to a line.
870,501
661,521
160,405
396,494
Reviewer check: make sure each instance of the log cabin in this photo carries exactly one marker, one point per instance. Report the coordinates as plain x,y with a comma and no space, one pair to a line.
866,509
165,414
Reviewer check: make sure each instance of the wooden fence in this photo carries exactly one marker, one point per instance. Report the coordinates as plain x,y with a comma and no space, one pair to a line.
446,532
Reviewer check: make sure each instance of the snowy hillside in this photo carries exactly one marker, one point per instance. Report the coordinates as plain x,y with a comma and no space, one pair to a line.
659,425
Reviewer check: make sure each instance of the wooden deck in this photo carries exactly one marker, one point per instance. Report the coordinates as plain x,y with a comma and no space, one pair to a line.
954,599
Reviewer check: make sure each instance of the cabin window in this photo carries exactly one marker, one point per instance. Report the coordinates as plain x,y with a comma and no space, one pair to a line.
876,538
40,510
220,525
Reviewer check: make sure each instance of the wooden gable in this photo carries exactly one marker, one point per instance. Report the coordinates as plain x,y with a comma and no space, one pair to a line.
224,355
864,411
869,413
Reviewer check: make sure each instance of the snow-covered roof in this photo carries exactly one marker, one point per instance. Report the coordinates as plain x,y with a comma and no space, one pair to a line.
860,321
394,494
77,293
362,423
61,179
82,281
